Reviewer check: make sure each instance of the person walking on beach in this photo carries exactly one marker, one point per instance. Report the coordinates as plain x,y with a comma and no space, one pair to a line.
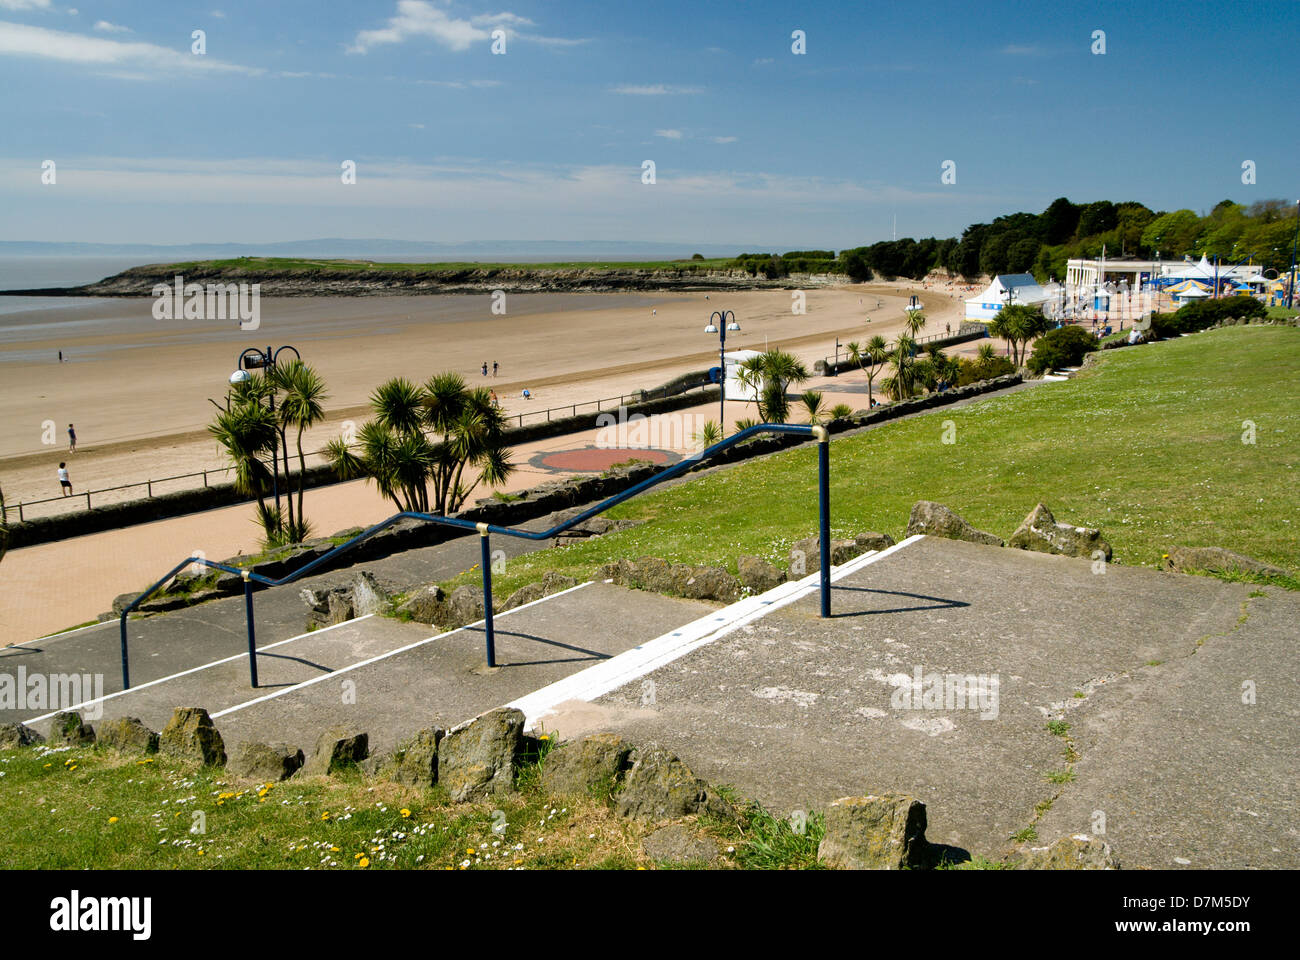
494,368
485,368
60,356
64,483
72,439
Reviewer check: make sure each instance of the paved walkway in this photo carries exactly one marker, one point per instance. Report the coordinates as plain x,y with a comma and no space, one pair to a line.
1146,668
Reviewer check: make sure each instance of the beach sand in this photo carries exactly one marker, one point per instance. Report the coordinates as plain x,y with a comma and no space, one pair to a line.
137,391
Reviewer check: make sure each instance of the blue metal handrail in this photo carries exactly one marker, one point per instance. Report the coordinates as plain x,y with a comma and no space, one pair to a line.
484,530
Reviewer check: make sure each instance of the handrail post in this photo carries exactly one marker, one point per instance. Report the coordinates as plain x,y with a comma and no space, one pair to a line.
126,670
248,616
486,562
824,512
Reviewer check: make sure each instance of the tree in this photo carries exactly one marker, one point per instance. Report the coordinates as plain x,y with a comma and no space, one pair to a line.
901,384
812,401
915,322
299,408
769,374
1061,347
1018,324
421,441
870,359
248,431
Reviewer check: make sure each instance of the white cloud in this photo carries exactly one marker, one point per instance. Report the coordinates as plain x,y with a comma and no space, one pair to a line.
460,84
19,40
420,18
652,90
722,139
24,4
103,26
219,14
669,134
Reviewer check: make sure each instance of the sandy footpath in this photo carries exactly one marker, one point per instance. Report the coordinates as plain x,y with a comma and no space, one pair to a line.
139,399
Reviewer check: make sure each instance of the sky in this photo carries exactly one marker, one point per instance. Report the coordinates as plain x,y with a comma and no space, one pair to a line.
752,142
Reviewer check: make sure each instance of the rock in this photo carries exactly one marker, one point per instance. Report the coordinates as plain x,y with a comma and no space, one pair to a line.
871,540
265,762
13,735
874,833
191,735
67,729
551,583
318,601
337,603
677,844
1040,531
936,520
122,601
127,735
806,554
759,575
1217,560
1079,852
426,605
415,761
479,758
593,765
703,583
465,606
660,787
368,597
338,748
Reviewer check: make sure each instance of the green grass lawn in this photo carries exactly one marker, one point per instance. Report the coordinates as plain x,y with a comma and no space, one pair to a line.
1147,445
90,808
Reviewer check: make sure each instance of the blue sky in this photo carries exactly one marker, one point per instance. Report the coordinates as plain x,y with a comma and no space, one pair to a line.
752,143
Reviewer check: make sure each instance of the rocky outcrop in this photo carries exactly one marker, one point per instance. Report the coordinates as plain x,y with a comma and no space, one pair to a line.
478,759
936,520
338,748
806,554
14,735
1077,852
1041,532
66,729
677,843
425,605
758,575
464,606
551,583
874,833
127,735
593,765
190,734
659,786
265,762
676,579
415,761
1217,560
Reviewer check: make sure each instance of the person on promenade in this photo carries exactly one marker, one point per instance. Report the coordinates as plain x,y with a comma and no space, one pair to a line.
72,439
495,401
64,483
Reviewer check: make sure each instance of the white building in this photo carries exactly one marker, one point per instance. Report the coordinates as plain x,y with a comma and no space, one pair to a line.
1006,288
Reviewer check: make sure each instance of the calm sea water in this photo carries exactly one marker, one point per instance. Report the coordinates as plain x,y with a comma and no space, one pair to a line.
33,272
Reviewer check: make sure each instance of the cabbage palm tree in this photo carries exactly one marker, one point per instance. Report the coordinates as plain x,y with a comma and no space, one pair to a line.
299,407
427,436
870,359
812,401
901,384
915,322
248,431
769,375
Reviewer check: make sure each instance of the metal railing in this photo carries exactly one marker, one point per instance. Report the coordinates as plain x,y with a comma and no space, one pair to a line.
485,530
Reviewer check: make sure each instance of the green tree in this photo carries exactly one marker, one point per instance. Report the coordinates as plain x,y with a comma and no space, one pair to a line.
299,407
422,440
769,375
249,432
870,359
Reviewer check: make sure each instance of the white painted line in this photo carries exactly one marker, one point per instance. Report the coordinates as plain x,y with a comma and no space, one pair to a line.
186,673
384,656
598,680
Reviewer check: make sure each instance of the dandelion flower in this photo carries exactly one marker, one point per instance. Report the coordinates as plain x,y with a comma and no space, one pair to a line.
405,812
112,819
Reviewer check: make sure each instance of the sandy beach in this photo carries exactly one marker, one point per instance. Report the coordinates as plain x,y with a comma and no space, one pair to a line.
138,391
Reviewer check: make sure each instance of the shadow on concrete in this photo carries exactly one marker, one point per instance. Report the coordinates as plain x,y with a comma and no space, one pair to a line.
936,603
587,654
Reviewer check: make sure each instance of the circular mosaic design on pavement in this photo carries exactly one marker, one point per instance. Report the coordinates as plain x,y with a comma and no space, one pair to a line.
597,459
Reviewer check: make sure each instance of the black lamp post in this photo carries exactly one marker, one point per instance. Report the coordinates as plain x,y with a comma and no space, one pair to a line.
721,328
255,359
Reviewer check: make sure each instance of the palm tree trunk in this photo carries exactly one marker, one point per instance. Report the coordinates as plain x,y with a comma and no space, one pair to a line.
302,472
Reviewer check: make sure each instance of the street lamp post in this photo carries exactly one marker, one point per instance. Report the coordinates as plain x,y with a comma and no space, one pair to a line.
255,359
1290,292
721,328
